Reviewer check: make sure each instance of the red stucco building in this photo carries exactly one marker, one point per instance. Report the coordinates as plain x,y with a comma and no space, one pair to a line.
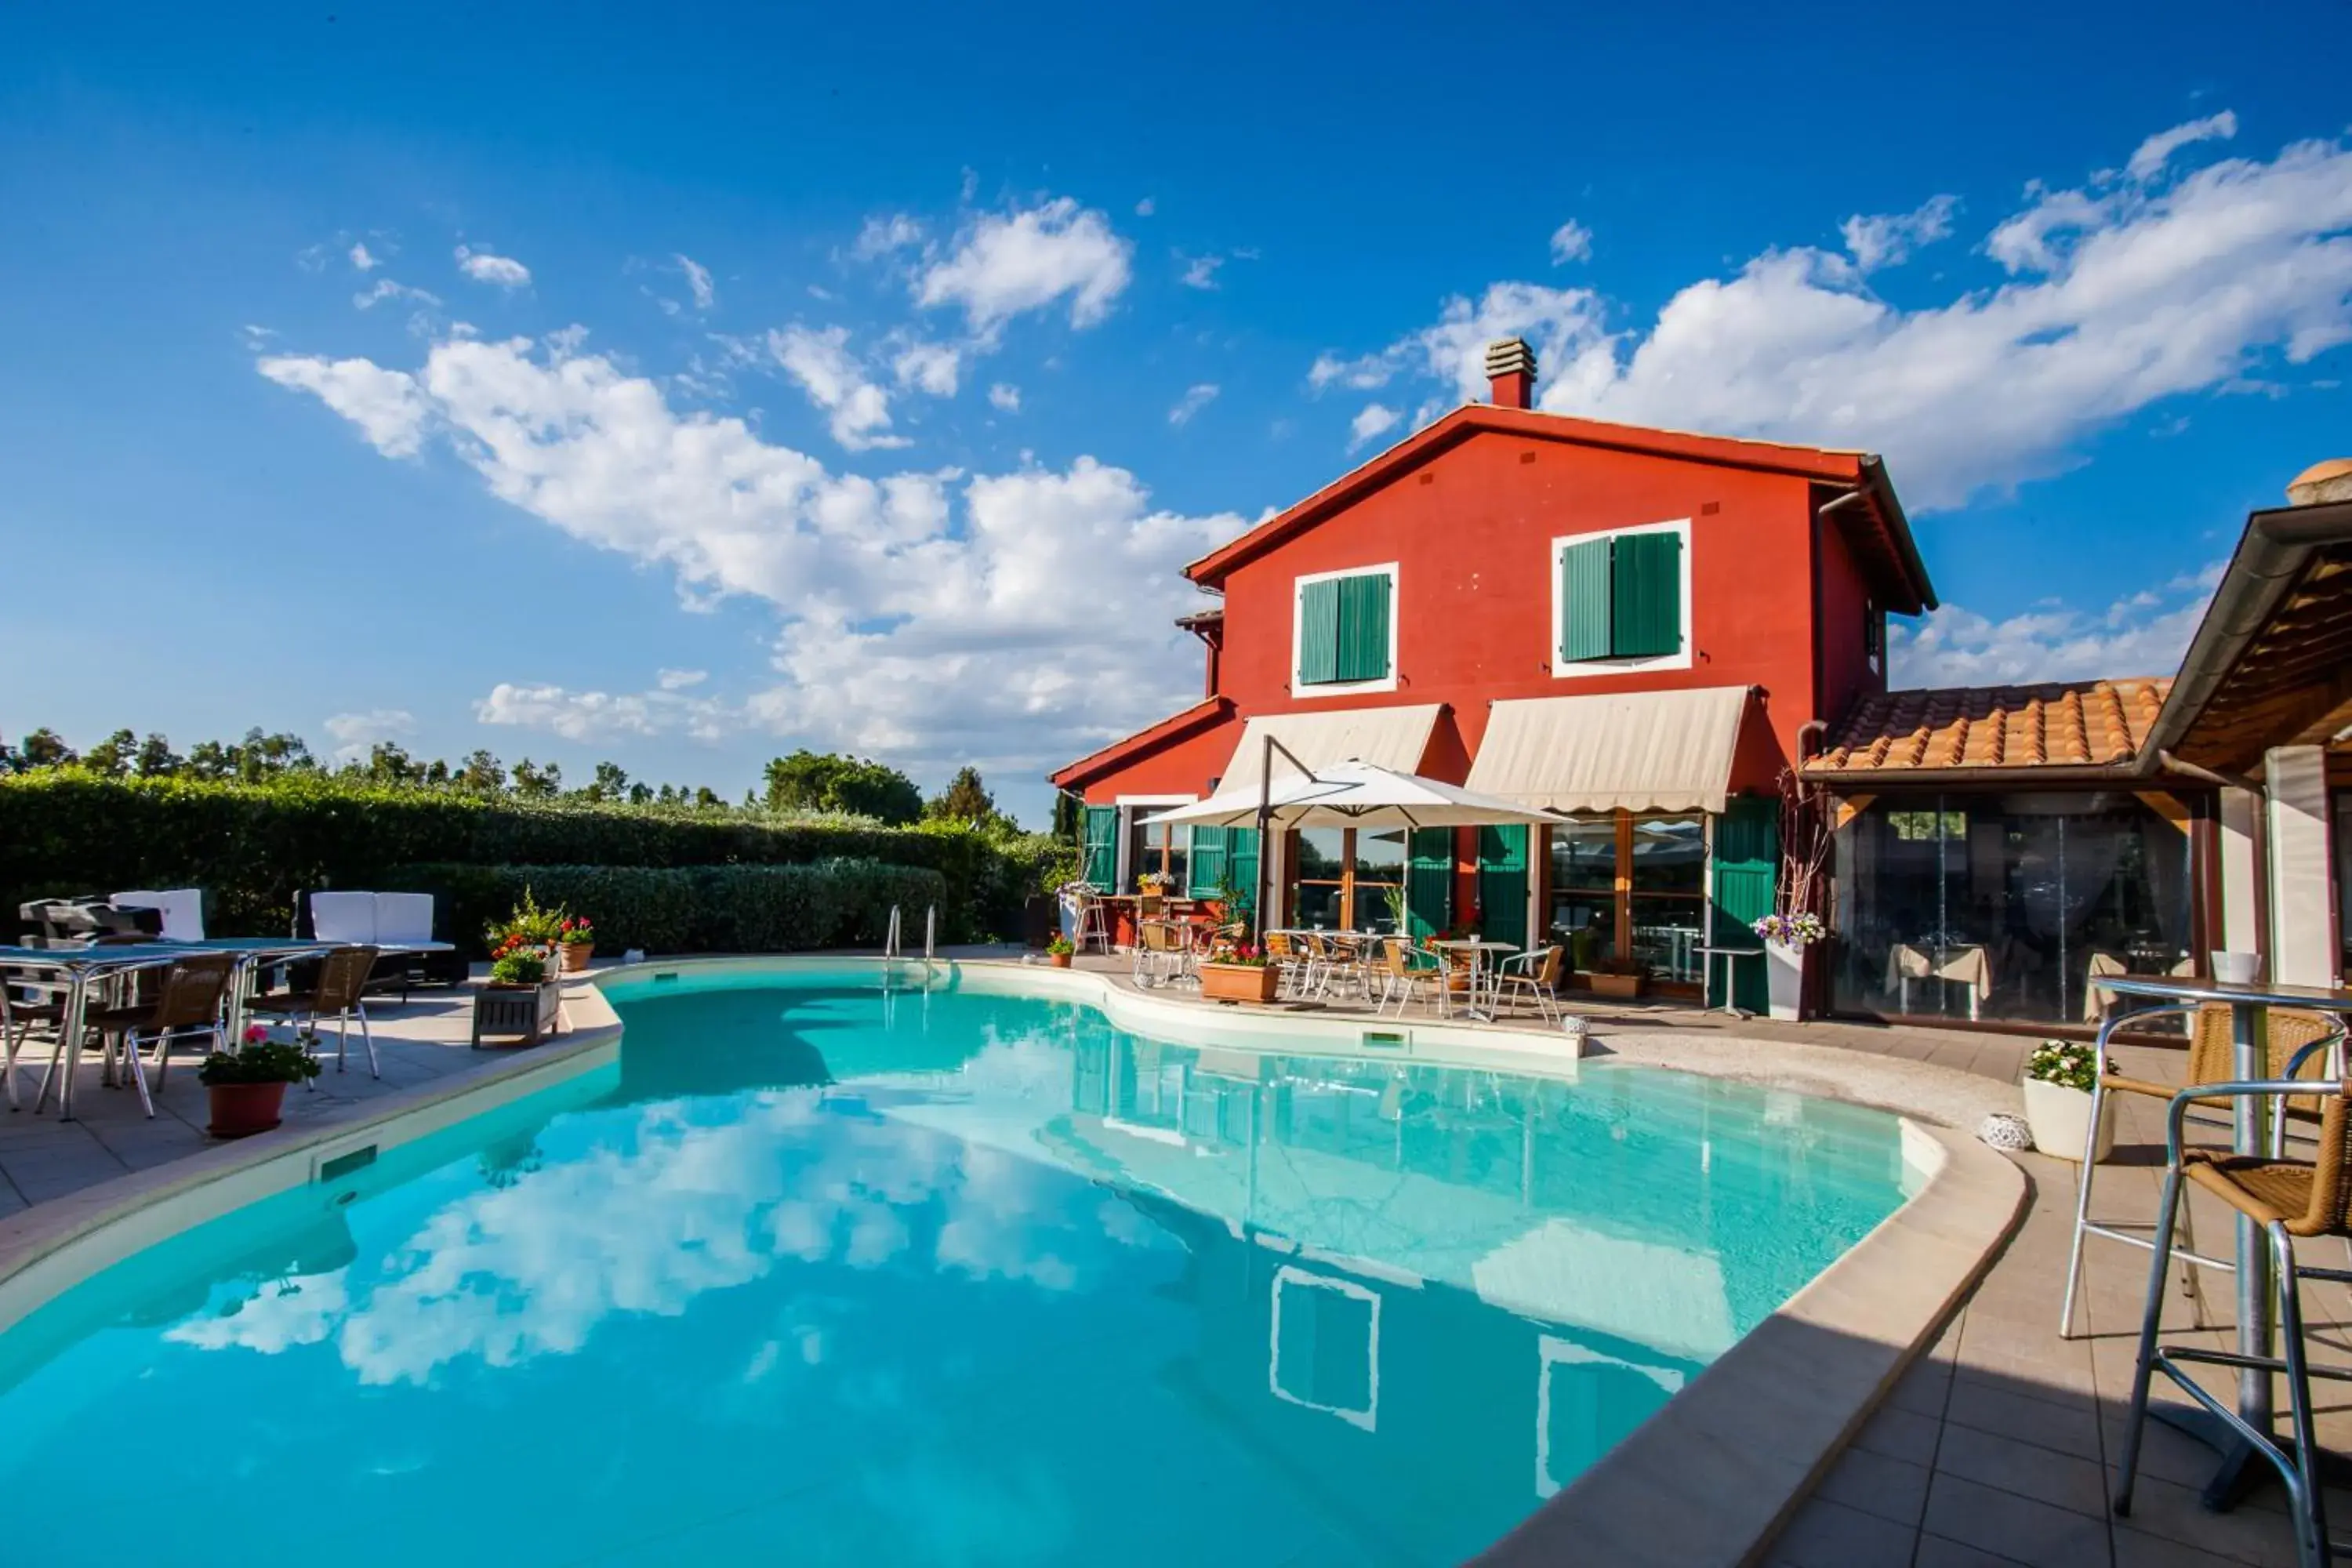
1643,630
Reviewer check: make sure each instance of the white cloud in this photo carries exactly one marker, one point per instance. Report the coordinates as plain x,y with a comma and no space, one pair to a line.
698,278
385,288
387,406
882,236
483,267
1200,271
1374,420
1196,398
358,733
2150,158
363,258
2142,634
2119,297
680,680
1005,264
1004,397
1146,207
602,715
1572,241
1887,239
929,367
923,617
834,380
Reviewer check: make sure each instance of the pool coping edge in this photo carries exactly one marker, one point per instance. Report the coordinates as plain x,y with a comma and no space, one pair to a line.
51,1245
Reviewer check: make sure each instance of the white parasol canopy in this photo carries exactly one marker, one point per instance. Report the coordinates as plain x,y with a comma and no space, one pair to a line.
1355,795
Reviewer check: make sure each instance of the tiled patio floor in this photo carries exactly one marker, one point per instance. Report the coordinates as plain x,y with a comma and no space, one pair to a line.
2000,1448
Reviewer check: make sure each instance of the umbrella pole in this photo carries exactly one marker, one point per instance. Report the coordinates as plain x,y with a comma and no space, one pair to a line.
1265,820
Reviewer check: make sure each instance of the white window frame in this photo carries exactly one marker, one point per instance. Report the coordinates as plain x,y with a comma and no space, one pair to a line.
1396,619
1366,1419
1131,806
1574,669
1553,1353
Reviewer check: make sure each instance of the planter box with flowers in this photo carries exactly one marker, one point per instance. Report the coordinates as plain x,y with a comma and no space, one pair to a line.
248,1087
1240,973
519,1002
2059,1078
1785,938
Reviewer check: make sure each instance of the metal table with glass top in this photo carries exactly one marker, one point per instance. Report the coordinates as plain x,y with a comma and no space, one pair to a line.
2248,1036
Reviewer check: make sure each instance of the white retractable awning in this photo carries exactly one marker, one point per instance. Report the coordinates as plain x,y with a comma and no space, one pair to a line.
1644,751
1391,738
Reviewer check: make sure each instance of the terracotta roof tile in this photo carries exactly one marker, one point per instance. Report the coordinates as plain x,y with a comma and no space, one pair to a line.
2088,723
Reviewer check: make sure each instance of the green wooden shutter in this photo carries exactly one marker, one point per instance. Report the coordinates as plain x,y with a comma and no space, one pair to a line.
1647,596
1747,863
1204,873
1102,846
1585,600
1503,884
1364,626
1240,871
1318,631
1428,881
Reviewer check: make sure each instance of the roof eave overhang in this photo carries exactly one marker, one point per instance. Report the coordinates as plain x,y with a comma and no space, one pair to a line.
2271,558
1174,728
1826,467
2124,776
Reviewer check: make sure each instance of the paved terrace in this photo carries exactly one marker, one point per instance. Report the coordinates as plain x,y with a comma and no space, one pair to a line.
1997,1447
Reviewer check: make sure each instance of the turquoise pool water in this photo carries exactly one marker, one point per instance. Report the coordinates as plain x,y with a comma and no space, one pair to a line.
819,1276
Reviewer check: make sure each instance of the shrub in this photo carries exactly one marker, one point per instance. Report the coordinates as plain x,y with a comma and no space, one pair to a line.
700,908
253,847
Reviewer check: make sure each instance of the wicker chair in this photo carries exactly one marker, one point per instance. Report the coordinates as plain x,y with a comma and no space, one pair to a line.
1160,953
1405,969
1291,962
2291,1200
19,1016
1535,975
2300,1046
337,994
187,1002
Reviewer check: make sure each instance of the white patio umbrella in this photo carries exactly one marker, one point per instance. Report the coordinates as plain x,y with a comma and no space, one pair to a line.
1355,795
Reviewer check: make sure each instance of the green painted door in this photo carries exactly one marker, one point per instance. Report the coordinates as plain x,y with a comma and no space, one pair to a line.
1428,881
1503,884
1204,869
1240,871
1747,864
1102,847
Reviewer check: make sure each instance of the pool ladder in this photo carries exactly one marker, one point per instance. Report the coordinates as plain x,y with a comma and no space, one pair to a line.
892,952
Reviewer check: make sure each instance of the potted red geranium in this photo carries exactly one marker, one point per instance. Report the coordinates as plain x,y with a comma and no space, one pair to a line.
1058,950
1240,973
577,941
248,1087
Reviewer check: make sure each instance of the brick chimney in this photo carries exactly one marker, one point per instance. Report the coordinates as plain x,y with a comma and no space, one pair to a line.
1511,371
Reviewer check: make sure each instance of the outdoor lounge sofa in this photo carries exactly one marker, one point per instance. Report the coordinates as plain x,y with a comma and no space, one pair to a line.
386,920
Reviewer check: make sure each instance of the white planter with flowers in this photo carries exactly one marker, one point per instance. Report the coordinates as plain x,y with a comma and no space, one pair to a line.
2058,1100
1786,937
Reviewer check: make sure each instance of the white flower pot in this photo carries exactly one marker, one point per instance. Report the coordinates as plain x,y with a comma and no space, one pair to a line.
2061,1119
1784,978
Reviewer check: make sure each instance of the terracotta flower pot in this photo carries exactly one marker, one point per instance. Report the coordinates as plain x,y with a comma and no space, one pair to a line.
1059,960
1622,987
576,955
242,1109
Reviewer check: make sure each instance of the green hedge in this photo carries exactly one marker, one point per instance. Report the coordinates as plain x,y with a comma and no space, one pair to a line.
253,847
694,908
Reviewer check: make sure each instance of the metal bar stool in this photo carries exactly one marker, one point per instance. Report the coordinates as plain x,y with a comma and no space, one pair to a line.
2291,1200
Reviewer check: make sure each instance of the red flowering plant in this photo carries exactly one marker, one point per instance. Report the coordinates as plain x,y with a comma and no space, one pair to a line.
518,960
1242,955
573,930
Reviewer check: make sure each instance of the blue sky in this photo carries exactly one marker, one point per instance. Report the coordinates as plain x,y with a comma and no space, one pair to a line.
681,387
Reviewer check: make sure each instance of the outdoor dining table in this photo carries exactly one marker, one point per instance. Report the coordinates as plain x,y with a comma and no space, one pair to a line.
81,965
2249,1035
1483,971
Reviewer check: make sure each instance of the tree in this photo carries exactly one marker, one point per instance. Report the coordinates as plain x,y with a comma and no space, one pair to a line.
610,784
436,775
259,758
532,782
389,763
825,780
707,799
480,774
210,760
112,755
641,793
45,748
156,760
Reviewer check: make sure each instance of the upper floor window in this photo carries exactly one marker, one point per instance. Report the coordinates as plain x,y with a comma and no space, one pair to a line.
1621,600
1343,635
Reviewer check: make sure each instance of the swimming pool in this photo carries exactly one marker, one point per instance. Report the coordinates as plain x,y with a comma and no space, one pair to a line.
818,1273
